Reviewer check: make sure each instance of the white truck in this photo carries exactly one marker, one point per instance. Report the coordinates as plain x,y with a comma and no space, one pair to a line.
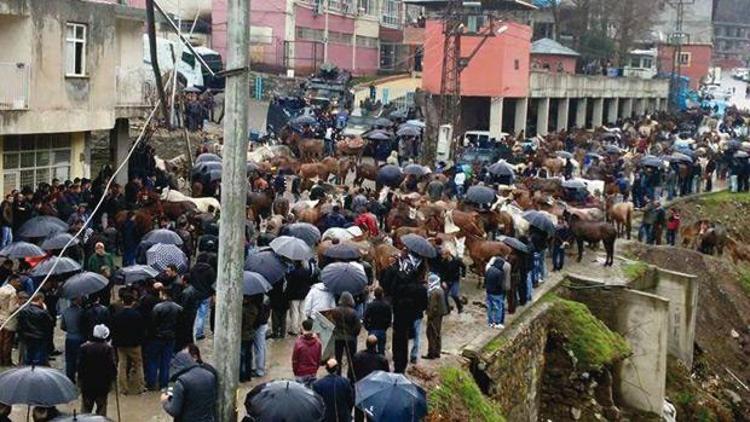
189,71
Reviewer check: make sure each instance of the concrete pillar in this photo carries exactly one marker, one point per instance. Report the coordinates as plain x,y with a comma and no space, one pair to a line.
496,117
563,108
290,34
542,117
614,110
598,118
119,141
522,110
664,104
640,106
583,103
627,108
658,104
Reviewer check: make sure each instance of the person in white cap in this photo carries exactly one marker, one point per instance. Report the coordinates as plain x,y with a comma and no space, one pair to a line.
96,371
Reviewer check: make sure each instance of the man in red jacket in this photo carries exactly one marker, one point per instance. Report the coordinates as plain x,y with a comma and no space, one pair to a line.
306,355
367,221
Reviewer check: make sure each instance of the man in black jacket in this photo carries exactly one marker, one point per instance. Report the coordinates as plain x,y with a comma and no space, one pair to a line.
202,278
194,394
164,320
35,325
337,393
377,319
128,331
409,293
451,269
96,364
366,362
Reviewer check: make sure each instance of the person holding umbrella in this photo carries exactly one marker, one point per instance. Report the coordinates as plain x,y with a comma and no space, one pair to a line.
96,363
337,393
299,281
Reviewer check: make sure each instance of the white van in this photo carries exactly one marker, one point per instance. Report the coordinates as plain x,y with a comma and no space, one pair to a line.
188,67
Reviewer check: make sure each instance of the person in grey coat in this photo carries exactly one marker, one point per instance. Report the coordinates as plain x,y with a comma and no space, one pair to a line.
193,397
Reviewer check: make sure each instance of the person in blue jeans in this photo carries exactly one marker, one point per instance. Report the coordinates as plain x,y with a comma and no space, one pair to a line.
414,353
70,322
377,319
164,319
559,243
496,284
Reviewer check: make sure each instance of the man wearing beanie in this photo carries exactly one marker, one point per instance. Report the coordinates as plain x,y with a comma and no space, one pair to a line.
96,371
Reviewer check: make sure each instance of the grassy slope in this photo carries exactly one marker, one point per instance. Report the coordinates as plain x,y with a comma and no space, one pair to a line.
458,398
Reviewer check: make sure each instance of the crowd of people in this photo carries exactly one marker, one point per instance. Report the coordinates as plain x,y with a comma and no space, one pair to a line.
144,328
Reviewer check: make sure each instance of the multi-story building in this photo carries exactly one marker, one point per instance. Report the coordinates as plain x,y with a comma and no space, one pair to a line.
362,36
732,32
69,67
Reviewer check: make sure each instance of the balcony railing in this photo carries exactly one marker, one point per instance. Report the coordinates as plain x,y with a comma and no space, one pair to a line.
14,90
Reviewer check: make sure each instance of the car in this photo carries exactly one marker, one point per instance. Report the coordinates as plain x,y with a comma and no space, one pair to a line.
485,156
358,125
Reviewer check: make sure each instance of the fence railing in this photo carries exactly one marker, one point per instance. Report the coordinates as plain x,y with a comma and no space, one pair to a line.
14,89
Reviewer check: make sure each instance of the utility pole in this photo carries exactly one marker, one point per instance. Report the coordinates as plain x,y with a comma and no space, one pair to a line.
326,10
232,222
676,40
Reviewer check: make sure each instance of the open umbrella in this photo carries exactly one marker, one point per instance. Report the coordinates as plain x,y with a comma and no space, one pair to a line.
573,184
305,231
133,273
408,130
304,120
36,386
206,167
397,115
501,168
267,264
342,251
378,135
390,175
83,284
419,245
612,149
207,157
337,233
678,156
340,277
515,244
160,256
167,237
481,195
651,161
382,122
64,265
42,226
416,123
284,400
214,175
740,154
540,221
563,154
254,283
21,250
58,241
291,248
415,169
386,396
83,417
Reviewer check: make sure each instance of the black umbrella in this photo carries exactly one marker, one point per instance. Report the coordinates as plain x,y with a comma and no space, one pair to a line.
481,195
160,256
21,250
254,283
214,175
167,237
651,162
43,226
305,231
678,156
386,396
284,400
36,386
207,157
563,154
83,284
612,149
340,277
408,130
58,241
291,248
419,245
515,244
267,264
390,175
206,167
304,120
501,168
64,265
415,169
540,221
573,184
342,251
740,154
397,115
133,273
378,135
83,417
382,122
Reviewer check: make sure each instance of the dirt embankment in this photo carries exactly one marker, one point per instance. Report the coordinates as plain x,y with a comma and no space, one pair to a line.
720,376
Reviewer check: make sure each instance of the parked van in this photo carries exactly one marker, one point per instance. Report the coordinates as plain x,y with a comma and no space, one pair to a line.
189,70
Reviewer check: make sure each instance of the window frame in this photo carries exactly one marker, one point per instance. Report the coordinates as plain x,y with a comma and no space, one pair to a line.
689,57
74,41
36,145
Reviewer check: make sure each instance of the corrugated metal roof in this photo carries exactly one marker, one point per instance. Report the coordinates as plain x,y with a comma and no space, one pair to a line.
552,47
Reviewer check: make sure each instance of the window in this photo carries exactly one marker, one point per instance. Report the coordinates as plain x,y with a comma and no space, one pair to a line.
684,59
32,159
647,63
75,49
188,58
369,42
367,7
635,62
516,64
309,34
339,37
391,12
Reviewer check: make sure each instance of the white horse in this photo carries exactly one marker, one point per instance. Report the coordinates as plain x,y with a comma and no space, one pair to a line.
202,204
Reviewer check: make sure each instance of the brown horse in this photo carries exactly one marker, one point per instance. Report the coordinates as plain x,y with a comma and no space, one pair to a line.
310,149
365,171
622,216
351,147
481,251
593,232
260,203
